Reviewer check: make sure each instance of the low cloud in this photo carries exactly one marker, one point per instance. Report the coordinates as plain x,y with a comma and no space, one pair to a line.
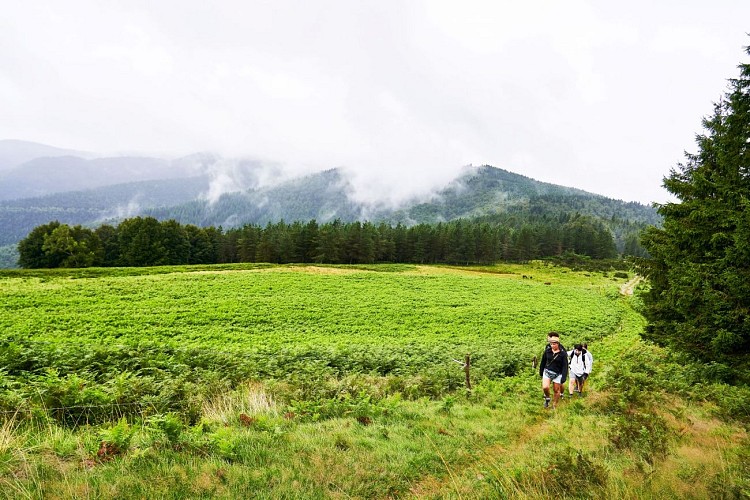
239,175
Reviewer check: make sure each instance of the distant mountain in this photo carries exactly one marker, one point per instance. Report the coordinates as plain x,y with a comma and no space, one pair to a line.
479,191
88,191
43,176
89,207
14,153
487,191
322,196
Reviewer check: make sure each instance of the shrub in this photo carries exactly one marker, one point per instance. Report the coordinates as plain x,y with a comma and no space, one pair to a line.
169,425
115,440
572,473
635,394
73,400
224,443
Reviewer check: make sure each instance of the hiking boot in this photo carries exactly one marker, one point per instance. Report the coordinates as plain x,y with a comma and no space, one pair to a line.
546,402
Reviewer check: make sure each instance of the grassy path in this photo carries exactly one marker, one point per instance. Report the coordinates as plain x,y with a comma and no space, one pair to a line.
568,452
629,287
495,470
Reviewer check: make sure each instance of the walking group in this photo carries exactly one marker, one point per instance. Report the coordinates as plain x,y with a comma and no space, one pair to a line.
557,364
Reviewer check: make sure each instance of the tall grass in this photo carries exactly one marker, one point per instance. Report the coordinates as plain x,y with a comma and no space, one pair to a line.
358,421
251,400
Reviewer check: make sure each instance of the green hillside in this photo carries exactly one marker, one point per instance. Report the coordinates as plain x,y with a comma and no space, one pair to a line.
341,381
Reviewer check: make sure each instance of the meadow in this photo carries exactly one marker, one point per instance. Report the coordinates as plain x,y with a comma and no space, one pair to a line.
337,381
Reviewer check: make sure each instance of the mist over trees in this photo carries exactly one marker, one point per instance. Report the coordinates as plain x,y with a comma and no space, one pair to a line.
145,241
493,195
699,301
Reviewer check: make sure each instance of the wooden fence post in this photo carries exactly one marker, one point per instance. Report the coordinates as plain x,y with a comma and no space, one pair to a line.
467,367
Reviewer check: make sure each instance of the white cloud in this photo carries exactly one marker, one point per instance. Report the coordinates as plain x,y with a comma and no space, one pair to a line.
604,97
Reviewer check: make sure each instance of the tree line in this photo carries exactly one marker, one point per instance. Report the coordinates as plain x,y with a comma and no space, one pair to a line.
146,241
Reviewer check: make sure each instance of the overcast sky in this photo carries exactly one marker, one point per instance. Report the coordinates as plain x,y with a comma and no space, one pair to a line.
603,96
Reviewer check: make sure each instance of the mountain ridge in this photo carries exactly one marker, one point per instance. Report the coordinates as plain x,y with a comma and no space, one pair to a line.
16,152
478,191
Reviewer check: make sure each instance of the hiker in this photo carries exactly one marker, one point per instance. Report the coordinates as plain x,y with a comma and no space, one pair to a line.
548,347
556,336
553,368
589,363
579,369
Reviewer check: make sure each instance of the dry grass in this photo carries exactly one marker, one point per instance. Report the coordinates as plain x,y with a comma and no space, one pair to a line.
251,400
311,270
9,436
432,270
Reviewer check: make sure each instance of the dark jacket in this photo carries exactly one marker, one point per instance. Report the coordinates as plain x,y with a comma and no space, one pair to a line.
557,363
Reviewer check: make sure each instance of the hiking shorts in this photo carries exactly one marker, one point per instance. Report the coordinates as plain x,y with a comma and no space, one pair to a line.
554,377
580,378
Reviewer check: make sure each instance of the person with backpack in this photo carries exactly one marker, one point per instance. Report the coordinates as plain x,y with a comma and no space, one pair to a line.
553,369
579,369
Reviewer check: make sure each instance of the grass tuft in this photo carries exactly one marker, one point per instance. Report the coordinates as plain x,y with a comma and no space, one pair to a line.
250,400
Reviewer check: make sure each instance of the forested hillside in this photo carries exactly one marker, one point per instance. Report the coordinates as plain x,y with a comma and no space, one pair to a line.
322,196
489,190
519,204
499,196
93,206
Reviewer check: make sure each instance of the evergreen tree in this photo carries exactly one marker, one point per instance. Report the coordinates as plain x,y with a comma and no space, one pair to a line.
699,264
330,238
385,247
247,243
200,245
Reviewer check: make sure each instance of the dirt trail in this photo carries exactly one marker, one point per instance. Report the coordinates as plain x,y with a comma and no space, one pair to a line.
627,288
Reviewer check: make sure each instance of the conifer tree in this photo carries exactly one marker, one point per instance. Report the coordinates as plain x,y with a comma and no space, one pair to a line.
699,264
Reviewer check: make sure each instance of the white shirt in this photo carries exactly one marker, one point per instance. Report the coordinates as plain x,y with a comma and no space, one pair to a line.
579,363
